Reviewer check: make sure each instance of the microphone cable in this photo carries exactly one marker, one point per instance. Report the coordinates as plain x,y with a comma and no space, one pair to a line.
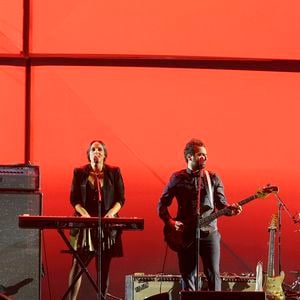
163,268
45,273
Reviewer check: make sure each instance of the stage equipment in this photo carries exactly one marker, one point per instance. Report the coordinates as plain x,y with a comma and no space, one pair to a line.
63,222
20,251
140,286
292,291
295,219
206,295
175,238
295,286
273,283
162,296
19,177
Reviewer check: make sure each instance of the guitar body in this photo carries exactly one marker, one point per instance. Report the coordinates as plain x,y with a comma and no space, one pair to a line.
181,240
174,238
273,287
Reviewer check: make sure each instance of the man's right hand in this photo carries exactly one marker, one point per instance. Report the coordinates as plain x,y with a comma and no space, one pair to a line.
176,225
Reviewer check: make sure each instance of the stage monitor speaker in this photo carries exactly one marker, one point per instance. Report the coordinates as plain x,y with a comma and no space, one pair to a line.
206,295
162,296
20,254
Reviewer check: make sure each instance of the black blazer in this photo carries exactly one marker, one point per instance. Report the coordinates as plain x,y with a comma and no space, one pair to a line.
112,191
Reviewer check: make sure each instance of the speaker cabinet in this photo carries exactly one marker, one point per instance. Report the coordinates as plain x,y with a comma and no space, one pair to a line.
20,254
205,295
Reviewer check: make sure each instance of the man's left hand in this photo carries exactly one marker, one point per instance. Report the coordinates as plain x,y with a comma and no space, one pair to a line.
235,208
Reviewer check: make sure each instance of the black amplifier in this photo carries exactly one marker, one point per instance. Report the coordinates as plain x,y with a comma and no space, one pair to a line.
21,177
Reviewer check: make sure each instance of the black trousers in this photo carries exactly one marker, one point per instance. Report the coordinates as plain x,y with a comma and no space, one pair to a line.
209,250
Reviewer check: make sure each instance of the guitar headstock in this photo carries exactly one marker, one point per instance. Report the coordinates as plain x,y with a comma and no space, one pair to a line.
273,223
265,191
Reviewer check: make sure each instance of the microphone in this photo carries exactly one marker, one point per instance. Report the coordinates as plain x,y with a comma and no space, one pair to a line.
96,160
202,161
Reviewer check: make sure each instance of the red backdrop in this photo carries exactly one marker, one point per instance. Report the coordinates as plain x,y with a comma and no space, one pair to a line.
248,120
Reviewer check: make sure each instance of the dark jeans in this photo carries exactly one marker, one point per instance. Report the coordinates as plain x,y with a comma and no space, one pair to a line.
209,249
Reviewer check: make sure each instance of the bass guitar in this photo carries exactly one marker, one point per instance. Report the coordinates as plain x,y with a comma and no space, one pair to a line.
273,284
180,240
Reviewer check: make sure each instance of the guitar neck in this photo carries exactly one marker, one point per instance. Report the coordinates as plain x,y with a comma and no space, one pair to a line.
271,254
206,220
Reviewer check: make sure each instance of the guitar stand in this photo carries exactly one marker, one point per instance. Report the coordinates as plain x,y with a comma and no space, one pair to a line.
292,290
295,219
198,232
295,286
83,264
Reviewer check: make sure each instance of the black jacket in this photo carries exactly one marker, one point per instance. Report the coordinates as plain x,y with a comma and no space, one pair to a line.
111,192
183,186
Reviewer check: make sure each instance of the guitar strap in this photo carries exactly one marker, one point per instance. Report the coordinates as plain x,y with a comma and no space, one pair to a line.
210,193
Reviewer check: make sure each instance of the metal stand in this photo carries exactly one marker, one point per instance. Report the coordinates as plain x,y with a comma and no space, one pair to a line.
82,263
295,286
292,291
281,205
99,275
279,236
198,233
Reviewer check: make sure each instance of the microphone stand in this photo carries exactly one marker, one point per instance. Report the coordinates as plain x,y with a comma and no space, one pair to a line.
99,248
198,231
281,205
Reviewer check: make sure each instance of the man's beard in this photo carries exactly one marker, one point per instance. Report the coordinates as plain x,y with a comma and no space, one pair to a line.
199,165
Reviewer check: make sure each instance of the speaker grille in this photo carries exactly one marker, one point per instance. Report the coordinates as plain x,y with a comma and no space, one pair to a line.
19,248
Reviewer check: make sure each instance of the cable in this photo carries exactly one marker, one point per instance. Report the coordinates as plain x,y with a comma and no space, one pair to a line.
46,263
113,297
163,268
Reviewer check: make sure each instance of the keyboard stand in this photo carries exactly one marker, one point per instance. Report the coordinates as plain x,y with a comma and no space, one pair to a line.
63,222
83,264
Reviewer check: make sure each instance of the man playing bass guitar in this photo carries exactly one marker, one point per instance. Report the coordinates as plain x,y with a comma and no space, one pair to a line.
184,186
